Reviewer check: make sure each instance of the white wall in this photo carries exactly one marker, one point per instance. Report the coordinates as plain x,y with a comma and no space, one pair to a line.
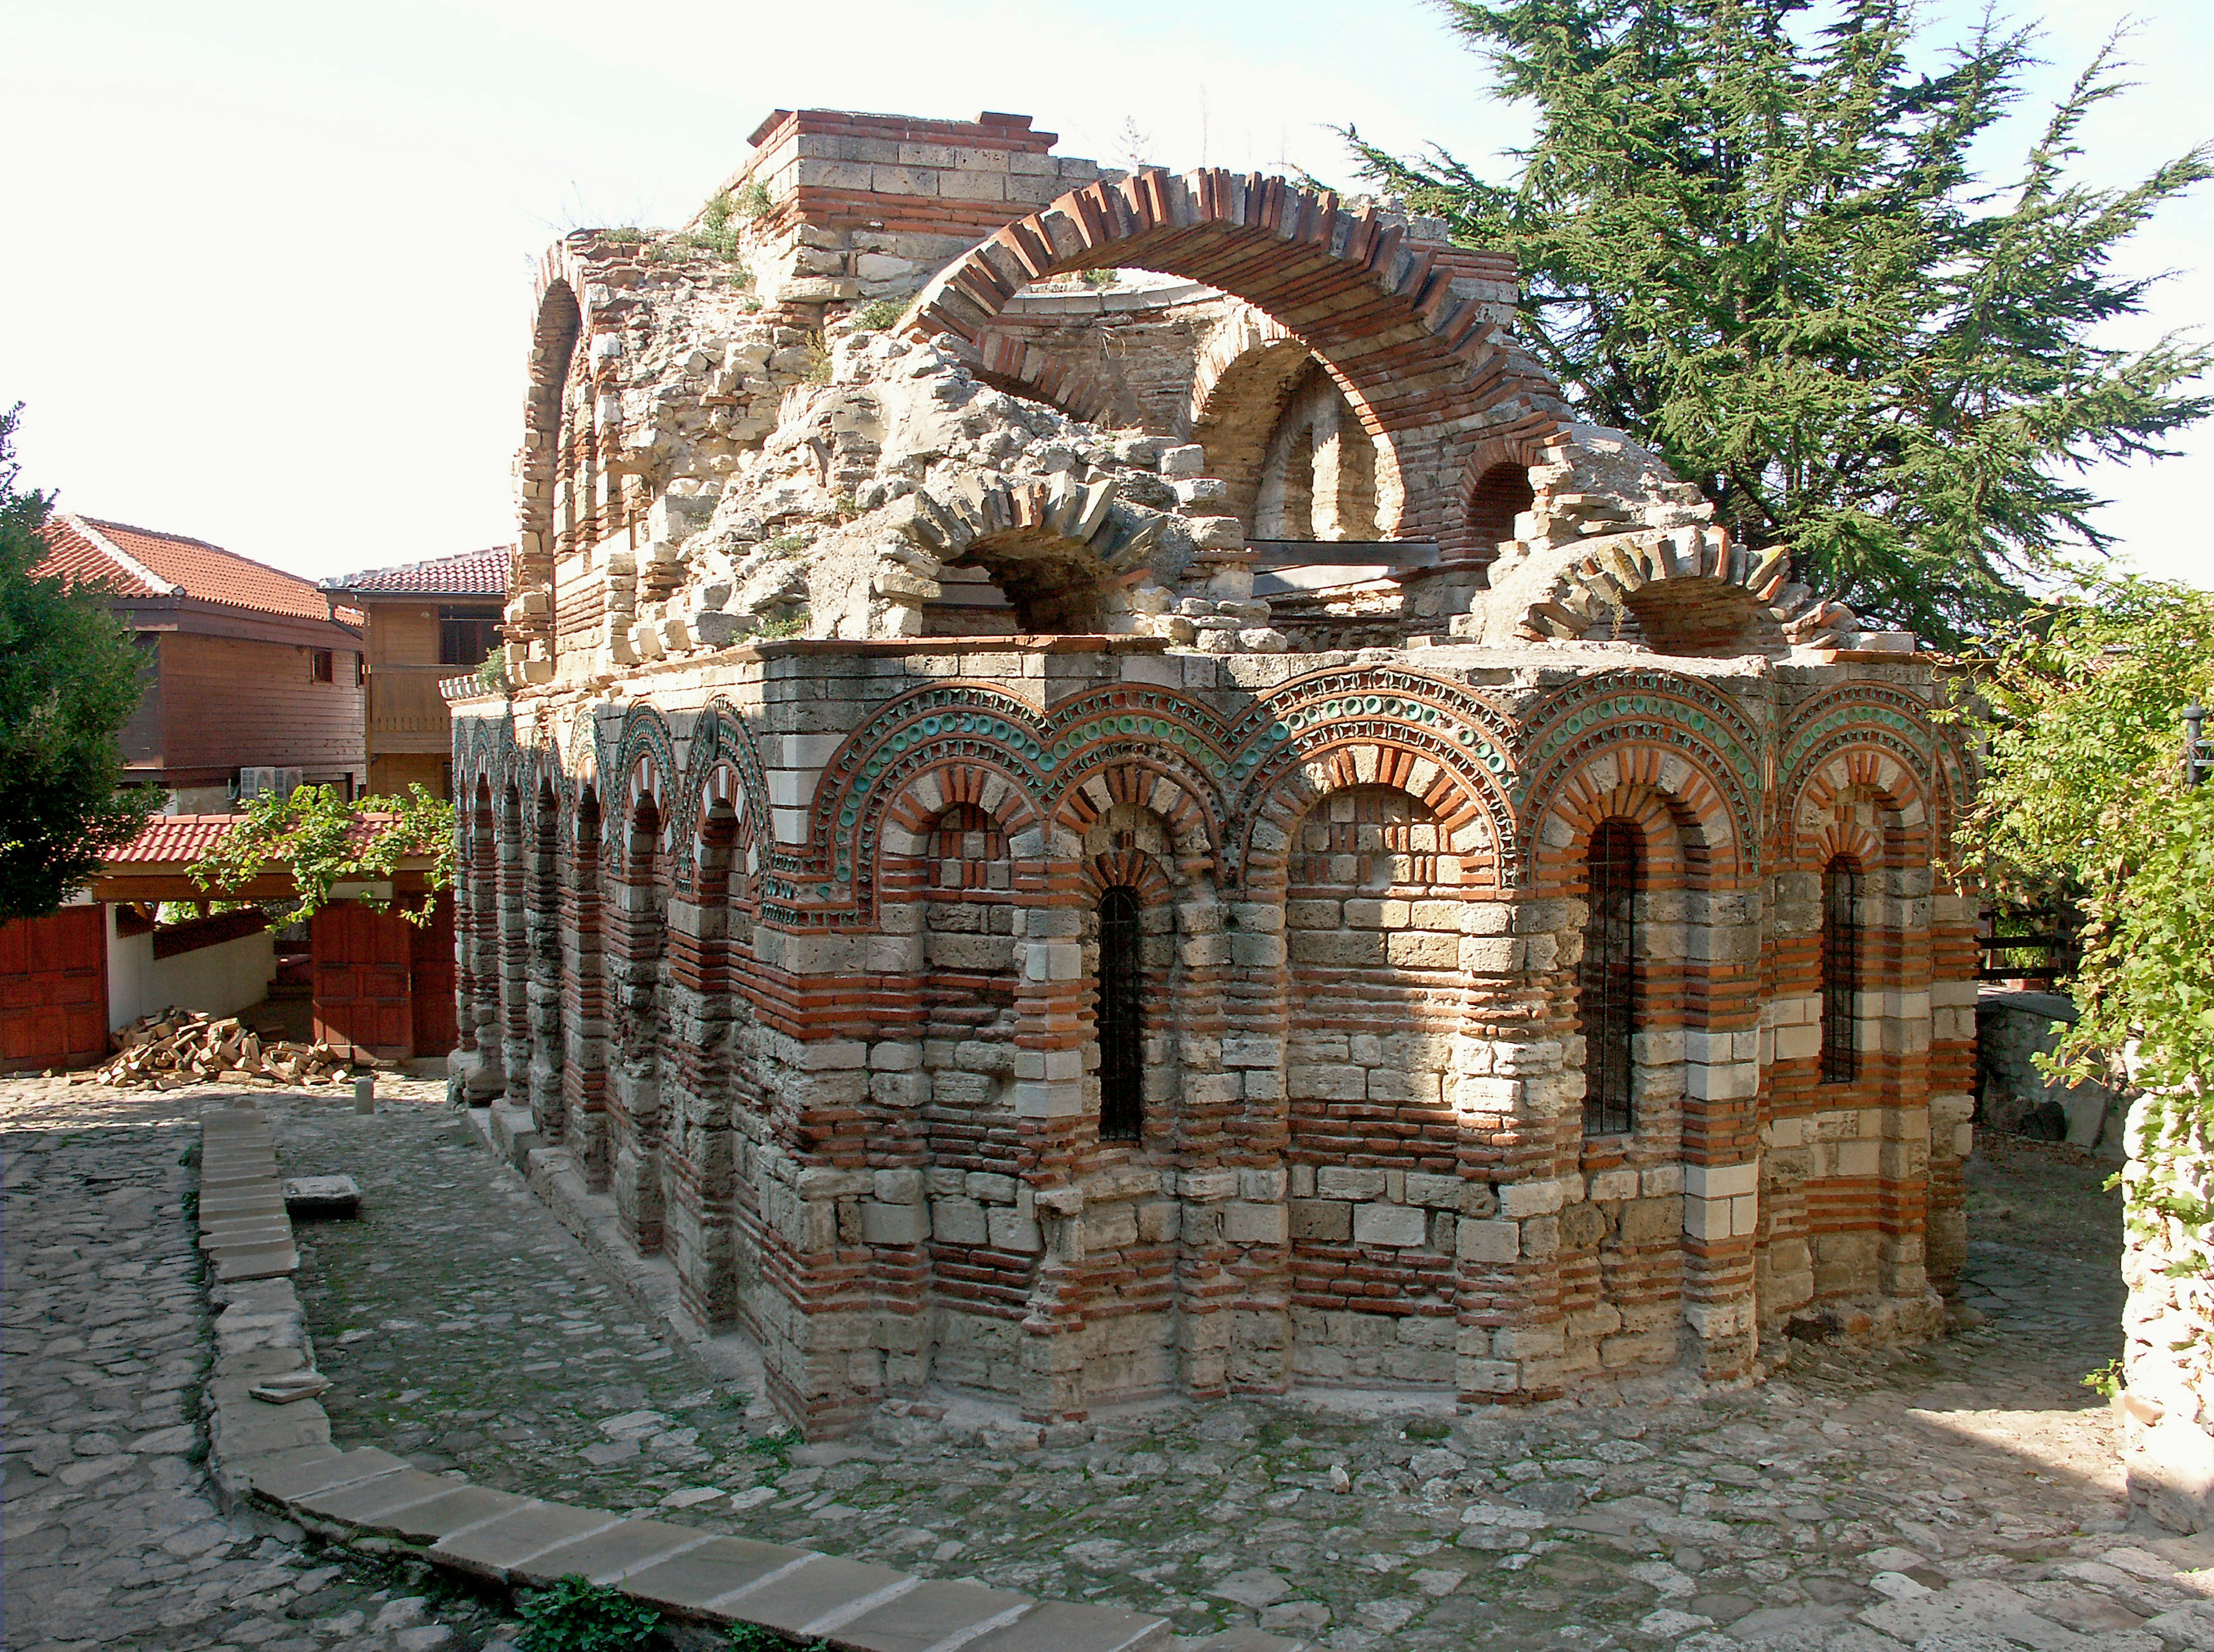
220,980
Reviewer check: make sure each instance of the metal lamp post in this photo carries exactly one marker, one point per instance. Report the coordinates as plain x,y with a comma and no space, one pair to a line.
2196,759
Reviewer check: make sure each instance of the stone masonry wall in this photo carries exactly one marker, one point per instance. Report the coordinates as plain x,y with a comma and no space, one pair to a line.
882,601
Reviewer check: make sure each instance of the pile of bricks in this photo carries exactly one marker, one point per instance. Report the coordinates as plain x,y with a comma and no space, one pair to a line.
176,1048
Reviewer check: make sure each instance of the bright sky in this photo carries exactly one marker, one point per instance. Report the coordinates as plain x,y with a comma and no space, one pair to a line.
266,279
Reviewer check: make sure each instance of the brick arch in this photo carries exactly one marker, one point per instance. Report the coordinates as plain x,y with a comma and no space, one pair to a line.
1017,365
1354,764
1436,739
1683,820
1144,784
1675,733
644,771
995,791
1413,332
1815,833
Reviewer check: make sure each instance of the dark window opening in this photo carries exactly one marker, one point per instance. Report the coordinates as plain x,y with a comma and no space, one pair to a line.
467,636
1501,494
319,666
1121,1065
1841,968
1606,1003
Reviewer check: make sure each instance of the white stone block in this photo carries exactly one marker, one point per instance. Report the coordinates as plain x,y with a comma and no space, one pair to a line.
1720,1181
894,1224
1519,1200
1244,1223
1489,1241
1396,1225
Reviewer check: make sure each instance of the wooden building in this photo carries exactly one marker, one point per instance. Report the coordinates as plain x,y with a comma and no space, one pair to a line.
247,669
425,622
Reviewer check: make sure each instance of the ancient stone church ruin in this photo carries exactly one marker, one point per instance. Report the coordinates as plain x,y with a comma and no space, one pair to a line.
1103,793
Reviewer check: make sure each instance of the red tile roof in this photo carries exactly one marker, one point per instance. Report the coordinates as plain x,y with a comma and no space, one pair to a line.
179,840
472,573
140,562
173,839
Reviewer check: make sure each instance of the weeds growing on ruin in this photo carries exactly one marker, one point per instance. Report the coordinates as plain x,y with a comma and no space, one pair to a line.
577,1615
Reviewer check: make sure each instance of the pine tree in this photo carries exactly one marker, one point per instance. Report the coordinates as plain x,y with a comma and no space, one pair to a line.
1752,236
69,680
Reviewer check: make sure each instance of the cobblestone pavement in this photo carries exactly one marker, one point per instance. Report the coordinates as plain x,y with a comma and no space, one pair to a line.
113,1538
1960,1496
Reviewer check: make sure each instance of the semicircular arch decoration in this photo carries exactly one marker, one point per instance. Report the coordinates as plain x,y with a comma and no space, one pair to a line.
1862,721
645,767
723,764
1432,728
1663,711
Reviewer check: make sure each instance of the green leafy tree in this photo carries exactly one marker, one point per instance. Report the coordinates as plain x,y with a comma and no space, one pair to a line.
69,682
1753,236
2081,710
324,841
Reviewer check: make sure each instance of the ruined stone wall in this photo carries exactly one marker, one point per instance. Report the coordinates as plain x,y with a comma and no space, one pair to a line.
2168,1353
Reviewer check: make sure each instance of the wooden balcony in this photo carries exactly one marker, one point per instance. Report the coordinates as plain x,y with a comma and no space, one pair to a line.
406,711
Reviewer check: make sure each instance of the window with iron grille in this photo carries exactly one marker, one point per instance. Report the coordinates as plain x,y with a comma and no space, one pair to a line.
1121,986
1841,968
1606,1003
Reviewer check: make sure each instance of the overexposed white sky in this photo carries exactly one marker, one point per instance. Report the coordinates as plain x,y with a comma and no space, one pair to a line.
266,268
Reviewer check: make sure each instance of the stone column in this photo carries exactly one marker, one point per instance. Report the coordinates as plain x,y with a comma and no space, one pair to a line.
542,983
1954,956
1721,952
634,1107
1050,1029
1514,1095
1236,1267
514,953
697,1162
583,1067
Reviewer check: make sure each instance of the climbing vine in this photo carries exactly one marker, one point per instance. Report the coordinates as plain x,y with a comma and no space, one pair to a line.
323,840
2081,709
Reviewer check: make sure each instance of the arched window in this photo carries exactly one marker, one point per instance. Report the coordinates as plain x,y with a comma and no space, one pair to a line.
1500,495
1606,1004
1841,968
1120,1009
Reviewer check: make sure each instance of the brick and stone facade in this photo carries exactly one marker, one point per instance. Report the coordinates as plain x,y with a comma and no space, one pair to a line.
895,613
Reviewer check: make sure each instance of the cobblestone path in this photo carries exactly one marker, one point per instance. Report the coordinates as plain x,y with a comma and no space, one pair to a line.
1960,1498
113,1538
466,1329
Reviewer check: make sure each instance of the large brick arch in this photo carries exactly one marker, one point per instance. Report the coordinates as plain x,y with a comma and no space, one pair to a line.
1411,331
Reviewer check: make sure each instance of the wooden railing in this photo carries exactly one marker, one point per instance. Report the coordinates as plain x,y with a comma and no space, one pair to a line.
406,711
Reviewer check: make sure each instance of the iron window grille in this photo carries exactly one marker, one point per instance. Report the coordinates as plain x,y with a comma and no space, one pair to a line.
1841,968
1120,1013
1607,999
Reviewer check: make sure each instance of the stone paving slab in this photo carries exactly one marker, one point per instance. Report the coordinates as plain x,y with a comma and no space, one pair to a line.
930,1614
686,1584
608,1555
368,1504
496,1552
813,1599
1067,1629
456,1510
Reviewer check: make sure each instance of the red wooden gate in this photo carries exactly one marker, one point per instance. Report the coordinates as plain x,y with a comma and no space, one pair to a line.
432,957
361,965
53,990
